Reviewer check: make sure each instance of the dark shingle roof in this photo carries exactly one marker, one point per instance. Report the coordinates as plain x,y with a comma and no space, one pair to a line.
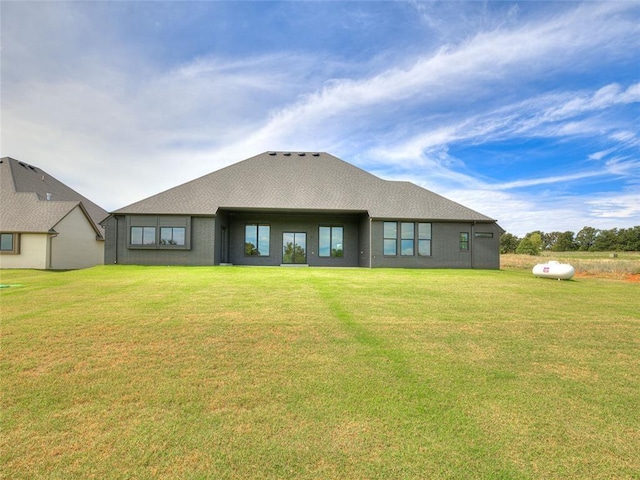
24,206
302,181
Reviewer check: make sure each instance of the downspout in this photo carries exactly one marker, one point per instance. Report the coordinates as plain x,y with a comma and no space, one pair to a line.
472,243
50,236
117,238
370,241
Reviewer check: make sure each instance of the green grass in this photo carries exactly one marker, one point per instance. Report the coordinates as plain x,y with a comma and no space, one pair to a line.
619,264
237,372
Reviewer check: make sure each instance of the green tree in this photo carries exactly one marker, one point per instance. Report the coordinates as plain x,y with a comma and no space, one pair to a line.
629,239
250,249
549,240
508,243
586,238
527,247
607,241
564,242
294,253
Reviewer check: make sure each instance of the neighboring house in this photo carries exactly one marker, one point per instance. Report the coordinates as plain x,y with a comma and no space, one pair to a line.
45,224
300,208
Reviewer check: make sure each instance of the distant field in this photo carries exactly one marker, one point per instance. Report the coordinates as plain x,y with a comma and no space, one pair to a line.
306,373
617,264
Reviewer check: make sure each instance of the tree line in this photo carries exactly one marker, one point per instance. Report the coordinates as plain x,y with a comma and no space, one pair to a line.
588,239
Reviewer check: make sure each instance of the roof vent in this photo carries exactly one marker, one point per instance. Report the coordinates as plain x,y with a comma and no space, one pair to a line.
272,153
287,154
23,164
315,154
32,168
301,154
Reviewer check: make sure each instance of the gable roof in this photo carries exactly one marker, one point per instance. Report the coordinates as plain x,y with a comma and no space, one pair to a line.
286,181
32,201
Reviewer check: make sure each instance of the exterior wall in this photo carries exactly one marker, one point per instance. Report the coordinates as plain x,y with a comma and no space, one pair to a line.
309,224
76,245
362,242
365,242
445,248
199,251
485,249
33,252
222,239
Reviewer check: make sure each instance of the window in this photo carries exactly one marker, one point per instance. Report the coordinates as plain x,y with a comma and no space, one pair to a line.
464,241
330,242
424,239
390,238
143,235
8,242
407,238
483,235
256,239
411,234
172,236
159,232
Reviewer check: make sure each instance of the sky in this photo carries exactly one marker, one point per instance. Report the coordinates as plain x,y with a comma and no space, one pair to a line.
528,112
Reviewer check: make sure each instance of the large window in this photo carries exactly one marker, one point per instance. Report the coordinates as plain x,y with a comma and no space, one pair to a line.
172,236
407,238
143,235
424,239
330,242
8,243
159,232
411,234
256,239
464,241
390,238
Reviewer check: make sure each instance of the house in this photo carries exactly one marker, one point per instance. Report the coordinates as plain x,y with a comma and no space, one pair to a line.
301,208
44,223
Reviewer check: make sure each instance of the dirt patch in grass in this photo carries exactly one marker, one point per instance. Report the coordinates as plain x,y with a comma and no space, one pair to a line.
627,277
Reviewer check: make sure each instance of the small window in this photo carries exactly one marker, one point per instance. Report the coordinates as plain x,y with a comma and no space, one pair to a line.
330,242
143,235
6,242
464,241
172,236
390,238
483,235
424,239
407,235
9,242
257,239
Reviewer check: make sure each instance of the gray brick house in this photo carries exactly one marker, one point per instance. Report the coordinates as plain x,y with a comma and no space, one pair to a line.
301,208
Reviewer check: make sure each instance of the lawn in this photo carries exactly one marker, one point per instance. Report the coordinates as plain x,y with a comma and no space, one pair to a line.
123,372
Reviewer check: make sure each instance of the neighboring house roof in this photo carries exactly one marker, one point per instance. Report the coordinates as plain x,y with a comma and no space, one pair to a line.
302,181
32,201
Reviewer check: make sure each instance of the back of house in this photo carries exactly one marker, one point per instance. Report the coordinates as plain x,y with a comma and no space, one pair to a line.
301,208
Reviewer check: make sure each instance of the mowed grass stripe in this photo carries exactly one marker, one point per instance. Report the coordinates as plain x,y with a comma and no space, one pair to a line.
165,372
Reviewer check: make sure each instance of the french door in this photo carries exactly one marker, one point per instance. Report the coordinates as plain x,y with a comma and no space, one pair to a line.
294,247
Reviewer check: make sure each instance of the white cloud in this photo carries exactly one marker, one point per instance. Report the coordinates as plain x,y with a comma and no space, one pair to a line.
616,206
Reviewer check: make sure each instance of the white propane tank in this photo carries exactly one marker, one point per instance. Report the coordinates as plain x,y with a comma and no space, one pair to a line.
553,269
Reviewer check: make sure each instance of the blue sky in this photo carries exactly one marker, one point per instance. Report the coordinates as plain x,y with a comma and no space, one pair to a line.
525,111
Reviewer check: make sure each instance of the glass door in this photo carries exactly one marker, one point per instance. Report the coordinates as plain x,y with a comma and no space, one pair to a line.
294,247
